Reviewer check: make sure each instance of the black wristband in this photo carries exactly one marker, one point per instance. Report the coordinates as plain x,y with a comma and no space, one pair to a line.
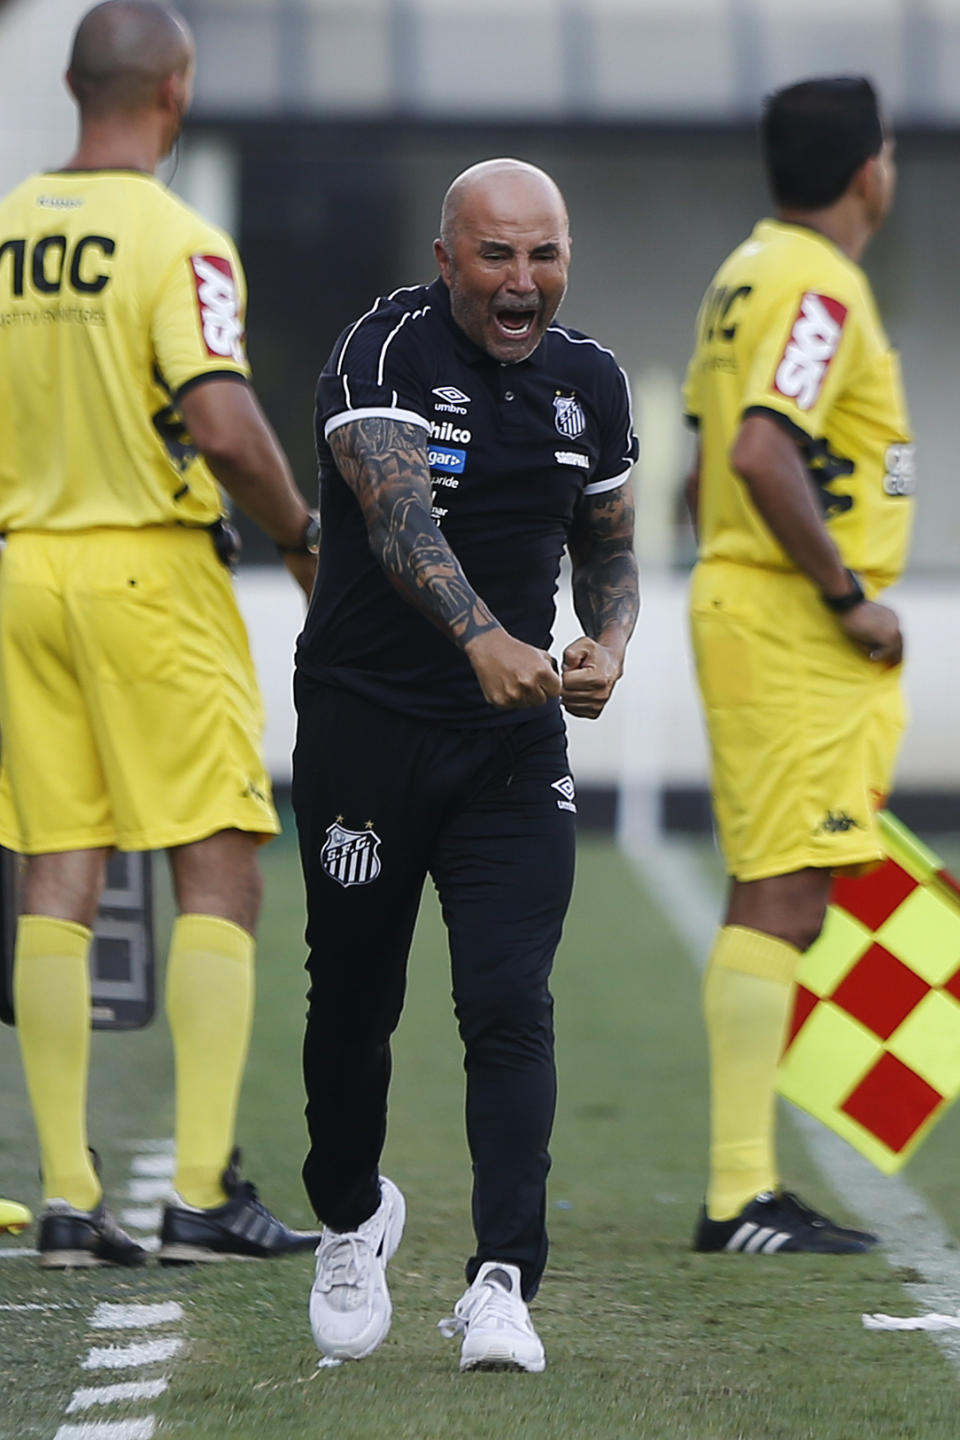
840,604
309,540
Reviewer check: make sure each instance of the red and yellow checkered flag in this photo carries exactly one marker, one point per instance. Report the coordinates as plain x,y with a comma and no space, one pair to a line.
873,1048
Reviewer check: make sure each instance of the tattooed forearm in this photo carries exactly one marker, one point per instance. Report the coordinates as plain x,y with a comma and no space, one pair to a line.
606,594
385,464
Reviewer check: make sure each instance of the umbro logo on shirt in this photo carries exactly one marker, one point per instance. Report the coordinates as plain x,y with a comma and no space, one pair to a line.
454,400
566,788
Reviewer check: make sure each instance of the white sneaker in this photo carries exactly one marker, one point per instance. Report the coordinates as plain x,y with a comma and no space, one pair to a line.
495,1323
350,1306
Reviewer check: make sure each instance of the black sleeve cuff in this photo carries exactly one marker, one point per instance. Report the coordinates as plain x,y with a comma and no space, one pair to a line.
196,380
796,432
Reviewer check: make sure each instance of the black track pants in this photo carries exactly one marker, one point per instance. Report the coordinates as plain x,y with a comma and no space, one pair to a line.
382,800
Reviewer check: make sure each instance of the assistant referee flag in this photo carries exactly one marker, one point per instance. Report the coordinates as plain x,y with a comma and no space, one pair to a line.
873,1046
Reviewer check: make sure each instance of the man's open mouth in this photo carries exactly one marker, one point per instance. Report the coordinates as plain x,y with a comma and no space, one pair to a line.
515,324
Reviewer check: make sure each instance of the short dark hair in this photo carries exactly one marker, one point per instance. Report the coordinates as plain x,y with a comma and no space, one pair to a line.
815,136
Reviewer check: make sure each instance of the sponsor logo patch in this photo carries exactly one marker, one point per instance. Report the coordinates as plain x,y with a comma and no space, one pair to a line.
447,431
568,416
572,457
566,788
901,472
451,461
351,856
812,345
219,306
454,399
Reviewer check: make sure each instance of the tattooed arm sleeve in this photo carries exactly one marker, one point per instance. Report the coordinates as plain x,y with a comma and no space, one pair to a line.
606,593
384,462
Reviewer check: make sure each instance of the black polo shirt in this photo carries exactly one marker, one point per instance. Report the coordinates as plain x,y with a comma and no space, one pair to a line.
512,450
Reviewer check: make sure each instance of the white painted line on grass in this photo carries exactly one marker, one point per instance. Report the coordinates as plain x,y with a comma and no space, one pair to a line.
913,1237
149,1190
15,1252
129,1357
143,1429
162,1163
135,1317
141,1217
880,1321
85,1399
34,1307
151,1167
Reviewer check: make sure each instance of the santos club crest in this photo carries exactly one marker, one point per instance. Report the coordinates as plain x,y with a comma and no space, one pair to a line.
569,416
350,856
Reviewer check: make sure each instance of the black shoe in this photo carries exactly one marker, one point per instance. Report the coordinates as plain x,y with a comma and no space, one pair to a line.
778,1224
814,1218
243,1228
77,1239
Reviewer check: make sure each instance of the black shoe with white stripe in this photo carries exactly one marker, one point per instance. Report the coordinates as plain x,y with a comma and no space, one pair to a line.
779,1224
72,1239
241,1229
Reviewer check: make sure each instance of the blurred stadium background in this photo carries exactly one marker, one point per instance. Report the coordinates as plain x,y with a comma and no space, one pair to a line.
323,135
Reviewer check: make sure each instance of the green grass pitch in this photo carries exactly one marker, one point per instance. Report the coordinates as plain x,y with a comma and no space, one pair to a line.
643,1338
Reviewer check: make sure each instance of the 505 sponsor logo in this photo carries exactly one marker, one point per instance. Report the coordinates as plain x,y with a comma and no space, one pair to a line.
901,470
219,303
451,461
812,345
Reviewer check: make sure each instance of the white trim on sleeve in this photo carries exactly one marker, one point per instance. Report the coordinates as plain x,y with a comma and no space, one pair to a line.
615,481
367,412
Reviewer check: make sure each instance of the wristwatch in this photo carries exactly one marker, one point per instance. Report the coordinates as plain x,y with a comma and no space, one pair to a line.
309,540
840,604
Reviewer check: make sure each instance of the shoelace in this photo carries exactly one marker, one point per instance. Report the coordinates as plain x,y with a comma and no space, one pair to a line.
491,1298
344,1261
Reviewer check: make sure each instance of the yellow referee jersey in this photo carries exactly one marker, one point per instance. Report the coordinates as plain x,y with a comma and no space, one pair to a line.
789,327
114,298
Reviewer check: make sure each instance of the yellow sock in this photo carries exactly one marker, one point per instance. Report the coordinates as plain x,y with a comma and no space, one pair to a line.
746,997
51,997
210,1010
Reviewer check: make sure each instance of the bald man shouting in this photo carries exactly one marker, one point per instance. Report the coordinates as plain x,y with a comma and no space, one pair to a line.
465,442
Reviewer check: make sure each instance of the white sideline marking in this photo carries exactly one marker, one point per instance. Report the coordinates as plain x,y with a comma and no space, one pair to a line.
913,1236
880,1321
107,1394
149,1190
151,1167
15,1252
141,1217
160,1163
33,1307
109,1430
135,1317
128,1357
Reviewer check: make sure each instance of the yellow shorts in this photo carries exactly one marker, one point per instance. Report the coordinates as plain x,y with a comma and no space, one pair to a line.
130,714
803,728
